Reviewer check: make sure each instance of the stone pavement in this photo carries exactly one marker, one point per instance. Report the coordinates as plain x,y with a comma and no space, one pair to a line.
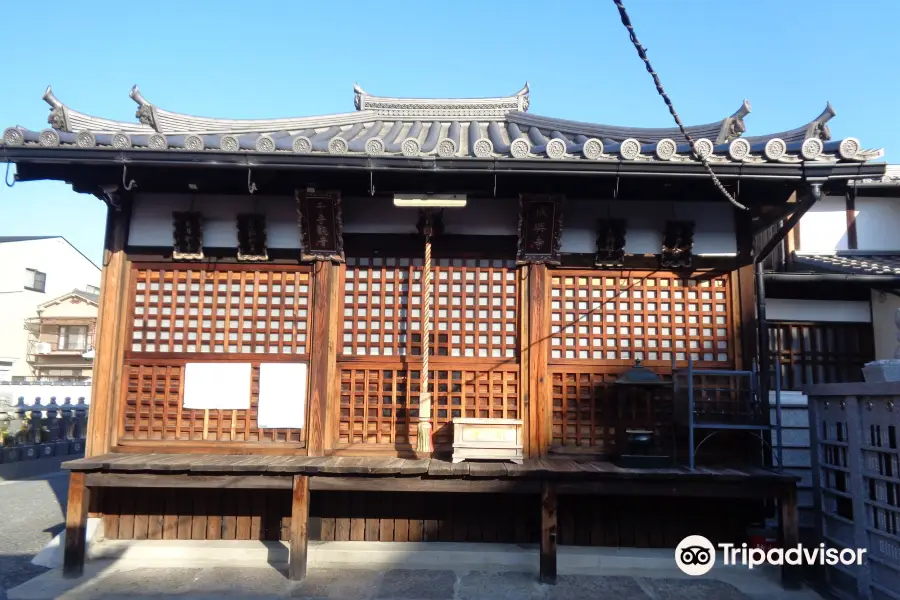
32,511
103,580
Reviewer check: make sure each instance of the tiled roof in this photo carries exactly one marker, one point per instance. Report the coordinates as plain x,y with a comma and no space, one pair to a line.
25,238
857,264
491,128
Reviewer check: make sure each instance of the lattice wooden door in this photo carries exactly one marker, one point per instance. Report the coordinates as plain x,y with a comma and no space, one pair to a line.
474,347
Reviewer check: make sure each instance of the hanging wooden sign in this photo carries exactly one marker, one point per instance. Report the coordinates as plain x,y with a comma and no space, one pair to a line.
610,243
678,245
540,228
321,227
187,236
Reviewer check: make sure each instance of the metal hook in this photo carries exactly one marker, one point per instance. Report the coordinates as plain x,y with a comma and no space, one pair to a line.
616,190
250,185
15,177
371,184
495,185
131,184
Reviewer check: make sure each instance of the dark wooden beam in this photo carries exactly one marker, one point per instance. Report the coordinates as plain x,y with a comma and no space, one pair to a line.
791,575
809,198
177,480
76,526
417,484
852,240
299,535
548,533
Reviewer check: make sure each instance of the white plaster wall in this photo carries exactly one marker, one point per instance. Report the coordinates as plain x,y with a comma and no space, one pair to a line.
835,311
151,219
66,269
714,232
824,227
884,306
877,223
151,223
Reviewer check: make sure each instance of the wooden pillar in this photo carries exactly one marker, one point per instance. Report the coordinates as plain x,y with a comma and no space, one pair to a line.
299,528
323,356
548,533
110,339
791,575
76,526
525,403
540,409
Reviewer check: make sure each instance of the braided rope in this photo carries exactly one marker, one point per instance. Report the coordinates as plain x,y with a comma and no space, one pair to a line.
642,52
426,317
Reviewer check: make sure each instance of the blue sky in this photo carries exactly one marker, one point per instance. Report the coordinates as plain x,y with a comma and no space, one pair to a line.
292,58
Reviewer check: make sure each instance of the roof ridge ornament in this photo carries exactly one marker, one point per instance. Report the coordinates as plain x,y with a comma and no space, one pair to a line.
446,108
145,113
63,118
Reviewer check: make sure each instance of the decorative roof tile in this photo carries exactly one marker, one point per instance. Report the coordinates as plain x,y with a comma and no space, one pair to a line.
476,128
856,264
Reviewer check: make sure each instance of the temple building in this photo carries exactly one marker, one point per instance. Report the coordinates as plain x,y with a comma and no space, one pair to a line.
433,320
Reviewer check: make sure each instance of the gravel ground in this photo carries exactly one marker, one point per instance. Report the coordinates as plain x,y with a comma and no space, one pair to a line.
32,511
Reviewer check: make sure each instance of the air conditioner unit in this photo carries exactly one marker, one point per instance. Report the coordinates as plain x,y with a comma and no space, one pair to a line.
43,348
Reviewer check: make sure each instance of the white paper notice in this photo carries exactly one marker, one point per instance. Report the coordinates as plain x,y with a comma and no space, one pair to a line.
282,396
223,386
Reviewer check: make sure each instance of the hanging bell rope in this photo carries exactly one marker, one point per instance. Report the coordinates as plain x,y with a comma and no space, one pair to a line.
423,431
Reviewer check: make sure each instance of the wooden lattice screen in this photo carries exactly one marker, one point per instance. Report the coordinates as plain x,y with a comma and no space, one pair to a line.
380,405
187,313
474,347
220,311
153,410
648,316
601,322
474,308
820,352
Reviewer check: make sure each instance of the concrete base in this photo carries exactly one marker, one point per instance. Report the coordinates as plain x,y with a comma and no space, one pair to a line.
52,554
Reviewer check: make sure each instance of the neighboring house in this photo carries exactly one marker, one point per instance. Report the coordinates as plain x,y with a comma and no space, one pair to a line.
34,269
833,287
61,337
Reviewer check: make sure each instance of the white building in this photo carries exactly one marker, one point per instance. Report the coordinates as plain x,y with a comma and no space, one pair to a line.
34,270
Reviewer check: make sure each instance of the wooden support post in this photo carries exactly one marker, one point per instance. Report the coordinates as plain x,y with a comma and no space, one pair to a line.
791,575
299,528
322,354
109,339
76,526
548,533
540,410
525,404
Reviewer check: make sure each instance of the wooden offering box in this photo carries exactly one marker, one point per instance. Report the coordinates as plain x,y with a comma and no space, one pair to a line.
487,439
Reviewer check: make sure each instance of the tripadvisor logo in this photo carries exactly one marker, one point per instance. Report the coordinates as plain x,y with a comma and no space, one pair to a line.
695,555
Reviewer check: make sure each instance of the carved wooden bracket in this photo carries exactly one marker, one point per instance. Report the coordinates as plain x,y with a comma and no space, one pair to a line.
252,237
678,244
321,225
540,229
610,243
187,234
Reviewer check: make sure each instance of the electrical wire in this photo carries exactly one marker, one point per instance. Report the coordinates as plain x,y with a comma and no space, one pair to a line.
642,52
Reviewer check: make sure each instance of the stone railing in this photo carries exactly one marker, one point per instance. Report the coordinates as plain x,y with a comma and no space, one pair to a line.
855,434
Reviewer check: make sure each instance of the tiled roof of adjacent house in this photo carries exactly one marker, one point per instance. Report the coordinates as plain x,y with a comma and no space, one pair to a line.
492,128
856,264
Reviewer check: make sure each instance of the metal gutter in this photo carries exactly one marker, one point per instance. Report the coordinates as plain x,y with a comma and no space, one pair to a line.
830,278
207,159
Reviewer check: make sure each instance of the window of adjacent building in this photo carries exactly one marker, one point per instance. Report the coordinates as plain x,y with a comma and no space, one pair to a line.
73,337
35,280
93,289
